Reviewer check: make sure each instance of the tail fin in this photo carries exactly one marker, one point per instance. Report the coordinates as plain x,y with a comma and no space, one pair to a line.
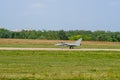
78,42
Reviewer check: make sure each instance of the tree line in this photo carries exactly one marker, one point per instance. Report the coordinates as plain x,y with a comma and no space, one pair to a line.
61,35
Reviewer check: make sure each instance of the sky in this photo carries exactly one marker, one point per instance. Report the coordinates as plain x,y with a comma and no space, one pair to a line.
60,14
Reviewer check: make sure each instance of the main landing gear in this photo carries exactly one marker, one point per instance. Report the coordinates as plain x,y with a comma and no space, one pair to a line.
71,47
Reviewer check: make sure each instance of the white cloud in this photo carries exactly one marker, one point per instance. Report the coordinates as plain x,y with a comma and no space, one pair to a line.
37,6
34,9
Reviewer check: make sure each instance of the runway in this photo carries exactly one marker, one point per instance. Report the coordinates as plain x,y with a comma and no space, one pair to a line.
58,49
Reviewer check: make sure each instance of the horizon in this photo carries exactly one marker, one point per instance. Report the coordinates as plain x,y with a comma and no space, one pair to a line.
19,30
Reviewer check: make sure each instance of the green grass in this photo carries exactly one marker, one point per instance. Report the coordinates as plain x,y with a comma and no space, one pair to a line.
49,65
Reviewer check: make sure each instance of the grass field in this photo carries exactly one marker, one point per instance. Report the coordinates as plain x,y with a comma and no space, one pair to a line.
49,65
50,44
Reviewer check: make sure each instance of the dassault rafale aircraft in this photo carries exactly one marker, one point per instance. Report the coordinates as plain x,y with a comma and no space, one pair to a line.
70,45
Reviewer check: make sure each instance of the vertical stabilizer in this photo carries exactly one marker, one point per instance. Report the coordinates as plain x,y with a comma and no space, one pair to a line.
78,42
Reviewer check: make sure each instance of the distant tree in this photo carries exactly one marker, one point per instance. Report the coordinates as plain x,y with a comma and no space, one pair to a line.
16,35
118,36
62,35
76,37
4,33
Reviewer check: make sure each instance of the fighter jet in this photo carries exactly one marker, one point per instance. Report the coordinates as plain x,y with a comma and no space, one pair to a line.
70,45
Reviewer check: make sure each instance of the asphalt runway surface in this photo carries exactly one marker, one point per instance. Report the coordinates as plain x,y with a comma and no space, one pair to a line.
59,49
